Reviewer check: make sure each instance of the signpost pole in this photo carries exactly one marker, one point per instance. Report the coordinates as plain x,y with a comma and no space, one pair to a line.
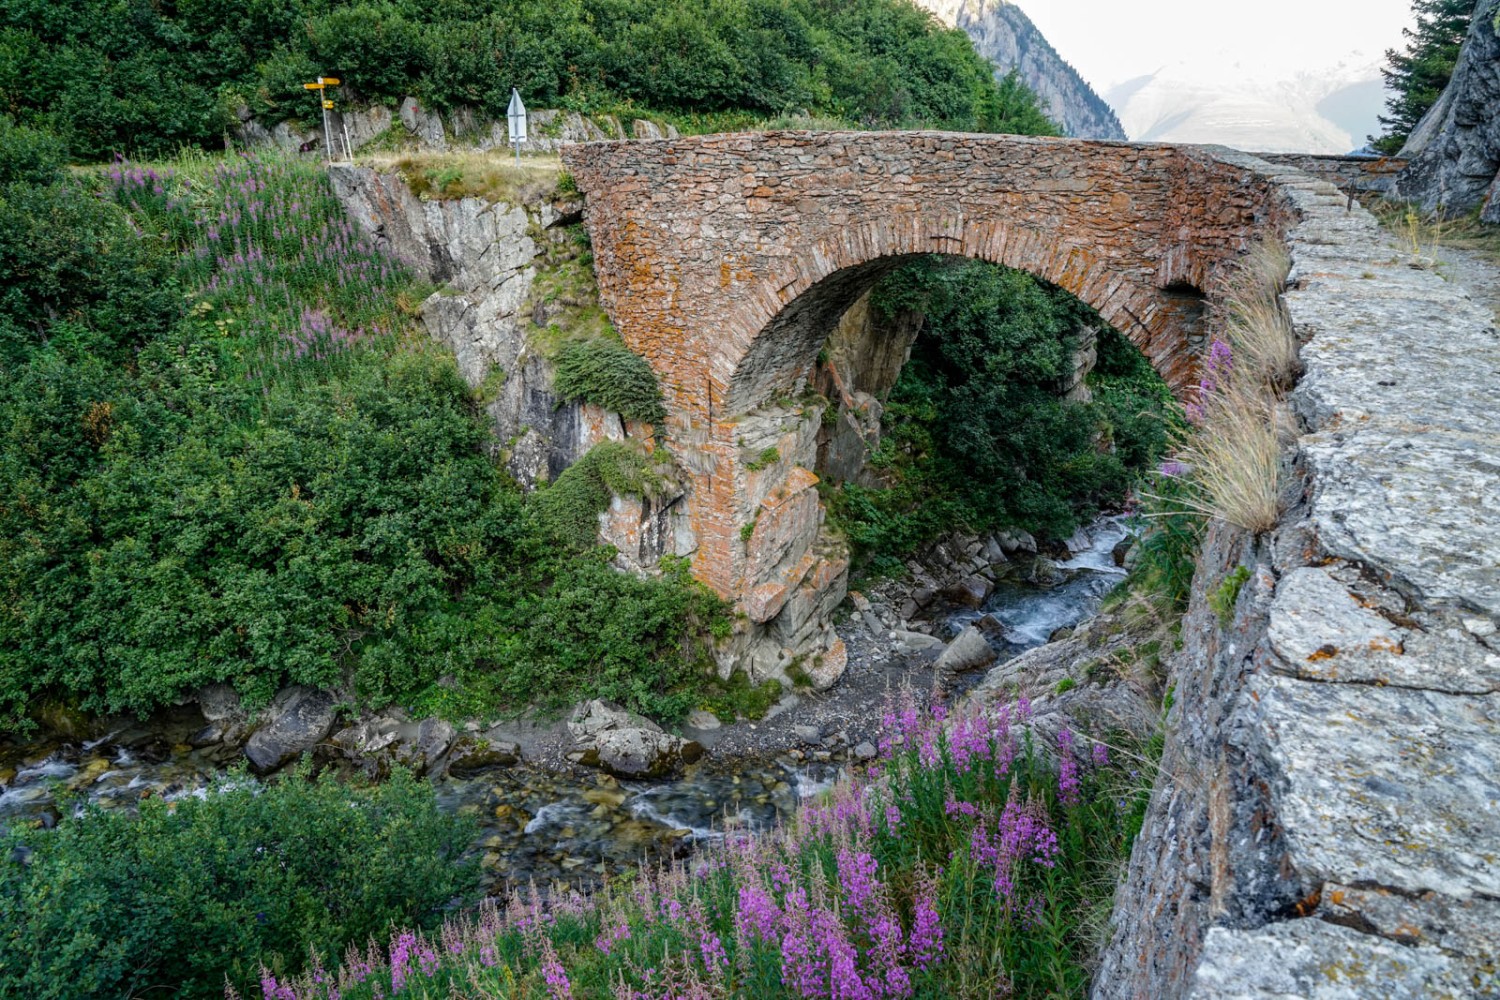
516,116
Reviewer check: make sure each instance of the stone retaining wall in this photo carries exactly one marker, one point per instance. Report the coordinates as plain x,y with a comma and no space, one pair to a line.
1350,174
1326,822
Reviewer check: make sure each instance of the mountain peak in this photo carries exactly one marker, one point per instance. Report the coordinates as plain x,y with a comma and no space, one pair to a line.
1003,34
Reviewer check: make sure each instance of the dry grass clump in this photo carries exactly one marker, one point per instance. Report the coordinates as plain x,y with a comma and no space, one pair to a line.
492,176
1259,329
1423,236
1231,453
1234,453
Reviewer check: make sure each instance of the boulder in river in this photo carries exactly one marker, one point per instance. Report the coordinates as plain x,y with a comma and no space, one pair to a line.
642,754
1016,541
970,591
473,754
297,720
970,651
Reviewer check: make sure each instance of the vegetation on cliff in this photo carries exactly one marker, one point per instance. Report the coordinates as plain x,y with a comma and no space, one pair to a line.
144,79
226,454
1416,77
976,433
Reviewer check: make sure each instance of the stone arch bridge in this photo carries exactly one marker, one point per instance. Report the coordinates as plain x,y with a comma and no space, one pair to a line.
726,260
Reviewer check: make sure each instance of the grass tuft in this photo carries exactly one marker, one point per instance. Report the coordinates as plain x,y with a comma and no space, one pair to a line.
490,176
1259,329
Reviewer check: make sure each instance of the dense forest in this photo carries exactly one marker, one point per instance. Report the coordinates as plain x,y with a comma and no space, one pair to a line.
143,79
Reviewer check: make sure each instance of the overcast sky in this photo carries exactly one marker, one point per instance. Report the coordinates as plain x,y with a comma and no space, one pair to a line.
1112,41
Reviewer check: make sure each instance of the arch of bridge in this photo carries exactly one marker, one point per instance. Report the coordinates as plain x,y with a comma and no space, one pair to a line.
725,260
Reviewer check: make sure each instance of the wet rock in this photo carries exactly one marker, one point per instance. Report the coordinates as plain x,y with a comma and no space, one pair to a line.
702,719
970,651
1013,542
1044,572
297,720
591,718
1078,542
643,754
223,713
472,754
970,592
994,552
432,739
924,596
1122,549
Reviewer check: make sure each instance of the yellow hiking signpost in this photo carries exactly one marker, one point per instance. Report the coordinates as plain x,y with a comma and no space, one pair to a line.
321,86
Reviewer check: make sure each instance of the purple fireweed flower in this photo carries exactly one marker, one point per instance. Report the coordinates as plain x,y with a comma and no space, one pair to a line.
925,944
1100,754
1067,769
401,952
553,973
1220,357
1173,469
715,958
857,871
758,913
607,939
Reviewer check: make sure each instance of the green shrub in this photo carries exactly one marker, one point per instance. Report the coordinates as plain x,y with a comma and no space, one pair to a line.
281,483
608,374
193,890
975,434
1223,599
570,507
767,458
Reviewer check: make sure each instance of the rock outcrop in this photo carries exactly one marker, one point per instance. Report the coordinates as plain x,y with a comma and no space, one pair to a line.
296,721
487,257
1324,823
1454,152
1005,36
414,127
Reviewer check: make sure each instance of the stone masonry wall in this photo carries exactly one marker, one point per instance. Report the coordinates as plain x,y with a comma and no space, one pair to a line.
1326,822
724,260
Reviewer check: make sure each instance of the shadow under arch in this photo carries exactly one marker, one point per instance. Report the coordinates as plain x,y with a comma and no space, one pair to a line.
791,312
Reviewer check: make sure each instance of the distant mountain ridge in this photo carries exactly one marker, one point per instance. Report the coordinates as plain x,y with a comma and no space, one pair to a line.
1003,34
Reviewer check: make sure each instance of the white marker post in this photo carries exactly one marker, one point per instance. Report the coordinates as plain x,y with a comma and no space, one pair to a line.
516,114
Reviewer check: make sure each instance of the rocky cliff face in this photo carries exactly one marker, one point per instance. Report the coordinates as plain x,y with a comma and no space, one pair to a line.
1005,36
1454,152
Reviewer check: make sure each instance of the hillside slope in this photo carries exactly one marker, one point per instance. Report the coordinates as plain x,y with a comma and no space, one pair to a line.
1003,34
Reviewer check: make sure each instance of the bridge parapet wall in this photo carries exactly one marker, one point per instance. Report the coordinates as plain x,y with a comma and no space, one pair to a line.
1326,822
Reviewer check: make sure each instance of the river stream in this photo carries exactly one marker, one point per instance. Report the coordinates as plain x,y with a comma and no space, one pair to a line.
535,824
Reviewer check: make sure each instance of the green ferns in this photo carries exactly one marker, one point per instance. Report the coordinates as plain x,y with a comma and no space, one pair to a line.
608,374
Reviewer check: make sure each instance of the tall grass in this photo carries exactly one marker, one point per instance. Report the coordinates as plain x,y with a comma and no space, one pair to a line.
286,279
1228,462
970,863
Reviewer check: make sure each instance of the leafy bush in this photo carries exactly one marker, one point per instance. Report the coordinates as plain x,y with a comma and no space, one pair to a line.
975,433
280,483
144,79
570,507
608,374
170,903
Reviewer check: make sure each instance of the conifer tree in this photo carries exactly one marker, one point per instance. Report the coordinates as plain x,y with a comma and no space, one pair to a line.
1418,75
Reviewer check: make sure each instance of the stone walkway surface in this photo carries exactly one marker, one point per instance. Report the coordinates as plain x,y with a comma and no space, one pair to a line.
1328,825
